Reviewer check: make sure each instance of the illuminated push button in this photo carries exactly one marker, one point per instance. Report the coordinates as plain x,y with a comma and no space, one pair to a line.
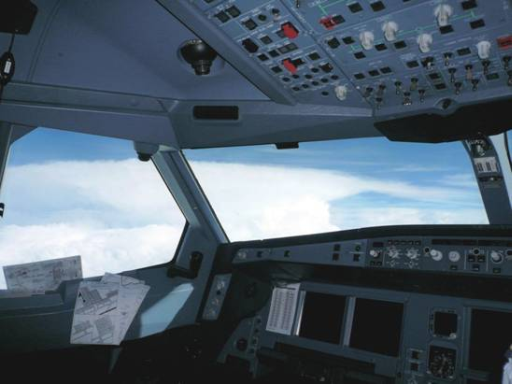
425,41
436,255
290,66
367,39
290,31
443,12
390,29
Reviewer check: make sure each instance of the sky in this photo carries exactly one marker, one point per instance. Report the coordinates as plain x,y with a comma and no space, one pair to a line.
72,194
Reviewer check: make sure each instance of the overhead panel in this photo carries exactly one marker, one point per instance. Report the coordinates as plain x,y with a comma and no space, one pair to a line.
381,53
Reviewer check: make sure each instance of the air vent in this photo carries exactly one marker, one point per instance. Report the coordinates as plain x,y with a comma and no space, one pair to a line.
208,112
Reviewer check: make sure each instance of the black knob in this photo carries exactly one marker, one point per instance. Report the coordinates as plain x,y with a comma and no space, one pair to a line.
199,55
241,345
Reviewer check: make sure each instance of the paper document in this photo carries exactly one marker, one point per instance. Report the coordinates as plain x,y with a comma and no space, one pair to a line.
42,276
105,309
283,308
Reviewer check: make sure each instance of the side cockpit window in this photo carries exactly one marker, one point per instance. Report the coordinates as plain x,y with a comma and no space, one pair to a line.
70,194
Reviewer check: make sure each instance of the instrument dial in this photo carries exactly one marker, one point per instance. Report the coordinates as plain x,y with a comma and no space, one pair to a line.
436,255
393,253
454,256
497,257
374,253
413,253
442,362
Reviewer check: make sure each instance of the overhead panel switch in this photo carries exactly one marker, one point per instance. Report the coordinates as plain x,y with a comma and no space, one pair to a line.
443,12
290,31
290,66
424,42
367,39
390,29
484,49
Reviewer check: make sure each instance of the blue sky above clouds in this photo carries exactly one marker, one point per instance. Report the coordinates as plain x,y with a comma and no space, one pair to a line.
69,194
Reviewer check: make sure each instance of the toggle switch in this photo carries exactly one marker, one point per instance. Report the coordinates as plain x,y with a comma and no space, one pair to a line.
486,64
506,62
428,62
414,84
447,57
475,82
452,72
422,95
458,87
368,92
380,90
407,99
398,87
469,72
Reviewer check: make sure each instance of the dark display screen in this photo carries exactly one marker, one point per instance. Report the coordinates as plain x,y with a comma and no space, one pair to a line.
377,326
445,324
322,317
491,336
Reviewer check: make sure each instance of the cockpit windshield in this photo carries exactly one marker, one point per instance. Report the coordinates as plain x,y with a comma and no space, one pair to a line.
262,192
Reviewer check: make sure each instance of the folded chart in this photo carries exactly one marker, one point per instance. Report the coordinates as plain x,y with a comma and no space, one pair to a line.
105,309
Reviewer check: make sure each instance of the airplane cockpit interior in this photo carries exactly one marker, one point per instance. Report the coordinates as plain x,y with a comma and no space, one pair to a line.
330,184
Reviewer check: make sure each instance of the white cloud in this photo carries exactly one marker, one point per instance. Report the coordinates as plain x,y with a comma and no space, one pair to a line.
382,216
258,201
102,249
118,215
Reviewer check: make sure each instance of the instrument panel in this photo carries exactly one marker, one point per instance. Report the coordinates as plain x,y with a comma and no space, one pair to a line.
454,255
377,336
411,304
374,53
